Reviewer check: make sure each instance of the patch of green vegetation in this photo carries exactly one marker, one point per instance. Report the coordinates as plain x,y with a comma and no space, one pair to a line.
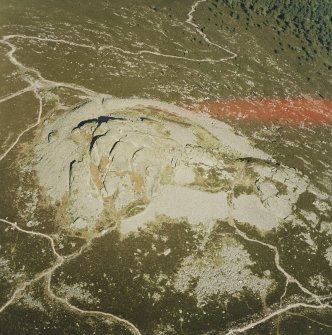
283,36
264,262
134,270
306,322
282,48
67,243
302,253
282,188
133,276
221,310
242,189
27,253
306,201
36,313
308,21
22,257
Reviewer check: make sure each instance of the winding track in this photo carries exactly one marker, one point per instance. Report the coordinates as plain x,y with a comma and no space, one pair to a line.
36,84
189,21
47,274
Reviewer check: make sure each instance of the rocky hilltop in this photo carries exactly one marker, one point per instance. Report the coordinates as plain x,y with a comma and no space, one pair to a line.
110,161
209,213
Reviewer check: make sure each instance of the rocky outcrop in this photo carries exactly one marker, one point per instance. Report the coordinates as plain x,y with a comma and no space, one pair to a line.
131,160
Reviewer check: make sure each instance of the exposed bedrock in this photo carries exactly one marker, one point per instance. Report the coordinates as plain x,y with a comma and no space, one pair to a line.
113,160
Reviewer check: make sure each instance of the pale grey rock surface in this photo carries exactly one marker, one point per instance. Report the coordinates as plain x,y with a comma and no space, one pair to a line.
132,160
